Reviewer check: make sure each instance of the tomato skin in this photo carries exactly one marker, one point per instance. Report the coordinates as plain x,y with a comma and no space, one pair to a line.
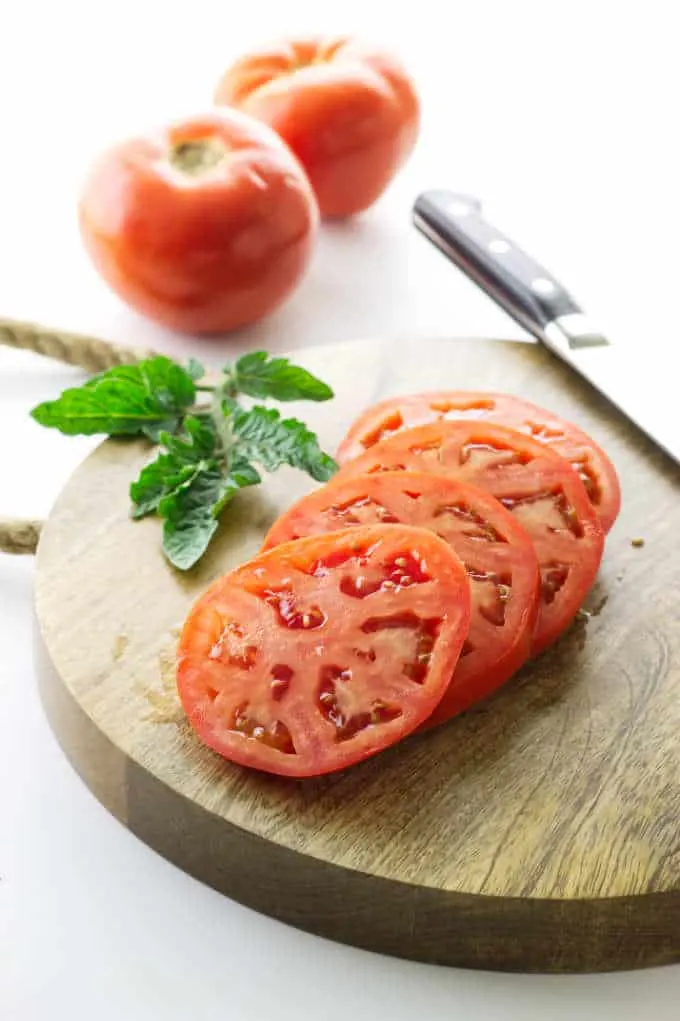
263,644
485,536
200,252
348,110
410,410
537,484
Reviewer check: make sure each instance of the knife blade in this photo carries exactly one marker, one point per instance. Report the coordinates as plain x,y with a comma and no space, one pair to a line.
540,303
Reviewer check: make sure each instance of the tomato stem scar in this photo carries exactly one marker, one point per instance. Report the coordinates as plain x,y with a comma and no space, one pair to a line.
198,156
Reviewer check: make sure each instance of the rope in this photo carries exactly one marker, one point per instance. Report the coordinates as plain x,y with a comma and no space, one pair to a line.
19,536
89,353
73,348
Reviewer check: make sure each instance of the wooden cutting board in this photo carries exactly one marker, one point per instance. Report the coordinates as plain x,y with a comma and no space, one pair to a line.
539,832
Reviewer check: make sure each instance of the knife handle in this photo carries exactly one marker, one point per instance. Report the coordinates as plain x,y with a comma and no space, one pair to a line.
512,278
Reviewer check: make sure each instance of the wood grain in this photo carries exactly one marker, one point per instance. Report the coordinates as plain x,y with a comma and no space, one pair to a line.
540,831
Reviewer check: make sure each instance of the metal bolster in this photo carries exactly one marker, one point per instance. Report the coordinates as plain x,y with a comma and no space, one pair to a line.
573,331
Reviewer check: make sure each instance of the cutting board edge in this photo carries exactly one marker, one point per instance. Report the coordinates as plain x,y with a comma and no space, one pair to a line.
369,912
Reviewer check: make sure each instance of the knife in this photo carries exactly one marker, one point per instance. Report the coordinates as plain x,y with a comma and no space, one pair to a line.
539,303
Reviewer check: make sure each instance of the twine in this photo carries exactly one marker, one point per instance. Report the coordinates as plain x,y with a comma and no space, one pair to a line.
91,354
17,536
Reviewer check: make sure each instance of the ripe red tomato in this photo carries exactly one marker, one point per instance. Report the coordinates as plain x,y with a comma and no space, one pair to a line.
285,666
498,555
349,112
594,468
537,485
205,225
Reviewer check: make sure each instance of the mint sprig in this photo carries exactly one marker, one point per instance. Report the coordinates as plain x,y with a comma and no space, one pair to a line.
209,449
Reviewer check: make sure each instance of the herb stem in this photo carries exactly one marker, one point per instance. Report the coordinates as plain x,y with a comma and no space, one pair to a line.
200,410
228,386
223,430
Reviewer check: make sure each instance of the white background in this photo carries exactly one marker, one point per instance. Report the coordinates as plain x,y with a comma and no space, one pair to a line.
562,116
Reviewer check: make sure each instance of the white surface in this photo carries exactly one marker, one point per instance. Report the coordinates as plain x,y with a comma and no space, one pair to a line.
562,116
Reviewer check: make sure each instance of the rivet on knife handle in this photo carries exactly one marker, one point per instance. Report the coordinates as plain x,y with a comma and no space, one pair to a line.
520,285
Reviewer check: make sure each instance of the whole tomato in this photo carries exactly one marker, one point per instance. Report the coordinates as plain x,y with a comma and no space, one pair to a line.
205,225
347,110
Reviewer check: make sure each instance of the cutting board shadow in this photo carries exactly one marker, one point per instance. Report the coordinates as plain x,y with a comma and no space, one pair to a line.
538,832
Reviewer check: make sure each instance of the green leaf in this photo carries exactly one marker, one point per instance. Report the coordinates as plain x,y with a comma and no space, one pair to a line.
195,370
241,474
258,375
192,512
187,456
271,441
155,481
197,440
188,485
128,400
189,520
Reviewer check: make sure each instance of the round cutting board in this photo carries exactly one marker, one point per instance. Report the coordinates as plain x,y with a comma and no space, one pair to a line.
538,832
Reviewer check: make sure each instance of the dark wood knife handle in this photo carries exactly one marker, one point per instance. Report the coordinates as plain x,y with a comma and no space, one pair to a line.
519,284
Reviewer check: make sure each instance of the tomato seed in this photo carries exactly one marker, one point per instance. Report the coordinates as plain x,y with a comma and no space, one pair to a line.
367,655
553,577
276,735
386,516
388,426
375,469
359,588
444,406
490,456
479,529
544,432
280,738
283,601
382,713
281,678
589,480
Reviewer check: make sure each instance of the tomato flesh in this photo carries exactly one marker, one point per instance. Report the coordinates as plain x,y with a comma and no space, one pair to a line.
497,552
594,468
322,652
533,482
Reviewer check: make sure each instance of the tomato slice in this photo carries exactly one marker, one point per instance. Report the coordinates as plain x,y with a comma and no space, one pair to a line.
497,552
590,462
537,485
322,652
